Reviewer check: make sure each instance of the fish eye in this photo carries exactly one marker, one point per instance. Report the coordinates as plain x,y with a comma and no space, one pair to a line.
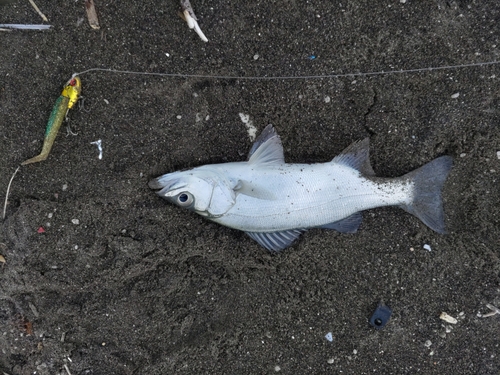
185,199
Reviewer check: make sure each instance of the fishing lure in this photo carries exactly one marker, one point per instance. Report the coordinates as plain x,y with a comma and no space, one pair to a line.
68,98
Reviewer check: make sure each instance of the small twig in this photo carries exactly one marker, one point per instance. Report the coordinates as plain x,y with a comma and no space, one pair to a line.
24,27
67,369
494,310
8,191
38,11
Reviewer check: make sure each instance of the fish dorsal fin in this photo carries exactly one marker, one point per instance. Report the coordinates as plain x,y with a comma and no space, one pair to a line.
267,148
276,241
357,156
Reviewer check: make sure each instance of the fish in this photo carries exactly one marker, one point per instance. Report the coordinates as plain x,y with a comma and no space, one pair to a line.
274,202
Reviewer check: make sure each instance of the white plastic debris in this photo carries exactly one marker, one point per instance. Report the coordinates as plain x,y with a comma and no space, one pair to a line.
498,155
329,336
98,143
427,247
252,130
447,318
327,99
190,18
455,95
428,343
75,221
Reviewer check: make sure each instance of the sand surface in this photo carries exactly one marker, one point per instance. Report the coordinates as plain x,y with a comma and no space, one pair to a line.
122,282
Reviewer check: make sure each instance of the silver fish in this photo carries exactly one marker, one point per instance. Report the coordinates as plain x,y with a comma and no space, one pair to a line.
275,202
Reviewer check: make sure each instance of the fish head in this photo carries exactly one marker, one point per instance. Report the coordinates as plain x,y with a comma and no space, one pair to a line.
208,193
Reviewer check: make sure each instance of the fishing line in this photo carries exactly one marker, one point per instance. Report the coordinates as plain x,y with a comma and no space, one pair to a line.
262,78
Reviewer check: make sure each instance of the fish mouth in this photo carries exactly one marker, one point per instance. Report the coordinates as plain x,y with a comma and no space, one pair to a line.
162,183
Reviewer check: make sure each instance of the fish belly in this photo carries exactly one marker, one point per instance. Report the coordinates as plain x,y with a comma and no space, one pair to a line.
293,196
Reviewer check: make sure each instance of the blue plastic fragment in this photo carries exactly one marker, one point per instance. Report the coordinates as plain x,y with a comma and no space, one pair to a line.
312,57
329,336
381,316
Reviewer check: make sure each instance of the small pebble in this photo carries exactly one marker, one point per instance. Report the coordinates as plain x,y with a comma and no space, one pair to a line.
327,99
428,343
498,155
427,247
442,335
65,187
354,352
255,57
50,215
447,318
330,360
277,368
456,95
75,221
463,154
179,117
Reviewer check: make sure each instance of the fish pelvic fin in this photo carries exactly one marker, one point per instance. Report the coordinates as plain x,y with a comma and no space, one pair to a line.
428,182
276,241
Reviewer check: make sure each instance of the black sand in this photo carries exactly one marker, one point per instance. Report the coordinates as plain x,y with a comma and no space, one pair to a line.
140,286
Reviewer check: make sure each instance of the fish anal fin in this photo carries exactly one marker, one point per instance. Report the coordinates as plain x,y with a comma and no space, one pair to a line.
357,156
267,148
276,241
348,225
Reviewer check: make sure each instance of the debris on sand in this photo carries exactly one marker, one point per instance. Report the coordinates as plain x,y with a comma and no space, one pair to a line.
189,16
92,14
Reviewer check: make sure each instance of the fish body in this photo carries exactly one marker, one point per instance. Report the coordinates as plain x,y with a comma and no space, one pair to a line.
69,96
274,202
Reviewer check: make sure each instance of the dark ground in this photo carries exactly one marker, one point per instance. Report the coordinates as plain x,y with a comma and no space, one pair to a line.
140,286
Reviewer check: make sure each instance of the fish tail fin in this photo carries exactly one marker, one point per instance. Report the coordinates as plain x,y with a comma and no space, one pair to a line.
428,182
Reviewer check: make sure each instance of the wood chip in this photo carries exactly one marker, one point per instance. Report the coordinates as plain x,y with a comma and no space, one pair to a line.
92,14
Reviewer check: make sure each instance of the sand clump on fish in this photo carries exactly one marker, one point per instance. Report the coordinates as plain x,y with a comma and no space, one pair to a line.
275,202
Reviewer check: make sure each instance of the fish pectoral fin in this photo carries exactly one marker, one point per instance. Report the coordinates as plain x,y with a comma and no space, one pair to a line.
348,225
357,156
267,148
246,188
276,241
